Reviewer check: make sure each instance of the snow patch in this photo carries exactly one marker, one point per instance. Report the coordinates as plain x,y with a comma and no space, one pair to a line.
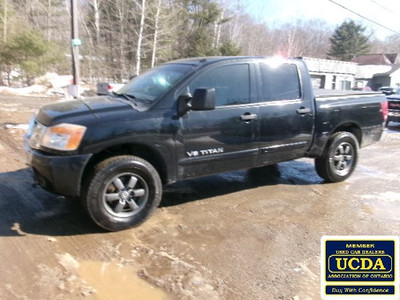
16,126
33,89
386,196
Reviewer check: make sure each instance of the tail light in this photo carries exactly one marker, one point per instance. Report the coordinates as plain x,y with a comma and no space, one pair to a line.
385,110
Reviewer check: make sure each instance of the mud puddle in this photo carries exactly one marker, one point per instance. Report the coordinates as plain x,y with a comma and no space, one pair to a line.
115,281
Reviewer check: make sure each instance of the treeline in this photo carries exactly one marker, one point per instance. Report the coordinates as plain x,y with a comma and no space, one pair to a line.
124,37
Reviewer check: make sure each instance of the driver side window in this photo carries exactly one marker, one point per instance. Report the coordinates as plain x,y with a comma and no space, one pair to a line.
231,83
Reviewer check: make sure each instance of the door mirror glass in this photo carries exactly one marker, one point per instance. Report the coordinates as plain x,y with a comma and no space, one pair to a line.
203,99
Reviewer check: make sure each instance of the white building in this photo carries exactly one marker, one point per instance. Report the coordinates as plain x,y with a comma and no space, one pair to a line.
331,74
377,70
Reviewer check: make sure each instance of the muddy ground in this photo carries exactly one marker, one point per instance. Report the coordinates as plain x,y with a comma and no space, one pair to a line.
240,235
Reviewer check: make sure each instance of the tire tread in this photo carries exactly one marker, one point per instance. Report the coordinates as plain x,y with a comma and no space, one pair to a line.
322,165
91,184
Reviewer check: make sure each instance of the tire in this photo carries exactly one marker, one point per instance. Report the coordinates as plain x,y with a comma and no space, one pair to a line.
122,192
339,158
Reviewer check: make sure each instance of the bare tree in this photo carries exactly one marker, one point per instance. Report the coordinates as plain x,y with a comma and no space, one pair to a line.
4,19
140,36
156,32
96,13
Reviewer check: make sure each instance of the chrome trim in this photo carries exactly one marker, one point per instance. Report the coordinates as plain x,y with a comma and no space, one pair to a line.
278,147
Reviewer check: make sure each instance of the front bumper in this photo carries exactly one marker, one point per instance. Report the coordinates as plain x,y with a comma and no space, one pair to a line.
57,174
394,115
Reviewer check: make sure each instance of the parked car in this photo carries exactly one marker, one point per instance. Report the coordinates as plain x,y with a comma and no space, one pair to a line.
191,118
394,107
387,90
364,89
105,88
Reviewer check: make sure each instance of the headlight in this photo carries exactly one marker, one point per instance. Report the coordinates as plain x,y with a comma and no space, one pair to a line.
35,133
66,137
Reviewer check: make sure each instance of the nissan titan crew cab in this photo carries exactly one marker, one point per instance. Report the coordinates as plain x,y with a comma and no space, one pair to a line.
191,118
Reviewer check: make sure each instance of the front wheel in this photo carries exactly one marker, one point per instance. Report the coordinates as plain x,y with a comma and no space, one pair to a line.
339,159
123,192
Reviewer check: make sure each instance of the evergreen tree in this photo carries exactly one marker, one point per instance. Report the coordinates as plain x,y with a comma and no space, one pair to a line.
348,41
228,48
31,53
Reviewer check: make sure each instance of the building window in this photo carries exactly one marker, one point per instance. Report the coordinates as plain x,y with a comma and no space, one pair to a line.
334,82
346,85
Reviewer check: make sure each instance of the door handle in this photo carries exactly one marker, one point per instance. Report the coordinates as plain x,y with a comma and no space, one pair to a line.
303,110
248,117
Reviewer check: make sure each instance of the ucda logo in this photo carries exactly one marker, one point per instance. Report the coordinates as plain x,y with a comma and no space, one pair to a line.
382,263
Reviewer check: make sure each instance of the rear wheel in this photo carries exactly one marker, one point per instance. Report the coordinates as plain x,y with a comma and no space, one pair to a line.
339,158
122,193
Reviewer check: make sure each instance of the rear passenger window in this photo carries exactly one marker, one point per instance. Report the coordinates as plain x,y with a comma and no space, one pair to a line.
280,82
231,83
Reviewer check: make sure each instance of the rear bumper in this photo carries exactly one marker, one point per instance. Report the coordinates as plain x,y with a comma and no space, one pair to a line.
57,174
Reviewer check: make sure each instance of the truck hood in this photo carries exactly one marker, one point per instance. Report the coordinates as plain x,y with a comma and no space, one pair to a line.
53,113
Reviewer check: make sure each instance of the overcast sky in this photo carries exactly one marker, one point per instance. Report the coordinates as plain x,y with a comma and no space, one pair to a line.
385,12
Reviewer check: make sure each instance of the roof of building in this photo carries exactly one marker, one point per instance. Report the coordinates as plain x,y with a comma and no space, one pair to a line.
393,57
372,59
377,59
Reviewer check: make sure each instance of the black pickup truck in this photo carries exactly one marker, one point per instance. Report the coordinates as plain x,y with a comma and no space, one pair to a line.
191,118
394,107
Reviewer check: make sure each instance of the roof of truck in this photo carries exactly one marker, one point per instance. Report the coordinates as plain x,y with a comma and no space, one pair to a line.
213,59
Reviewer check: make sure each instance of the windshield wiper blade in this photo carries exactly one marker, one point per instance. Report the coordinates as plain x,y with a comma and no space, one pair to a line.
133,98
145,100
126,96
129,98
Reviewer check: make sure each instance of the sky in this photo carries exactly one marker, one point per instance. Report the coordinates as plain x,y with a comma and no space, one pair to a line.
385,12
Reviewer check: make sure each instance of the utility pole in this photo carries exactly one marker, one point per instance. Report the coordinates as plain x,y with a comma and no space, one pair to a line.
75,43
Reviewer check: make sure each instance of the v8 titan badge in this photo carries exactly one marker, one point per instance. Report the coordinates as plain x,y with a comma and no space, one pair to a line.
360,267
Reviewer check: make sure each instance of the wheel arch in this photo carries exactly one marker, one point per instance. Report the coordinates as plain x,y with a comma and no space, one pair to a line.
142,151
351,127
321,140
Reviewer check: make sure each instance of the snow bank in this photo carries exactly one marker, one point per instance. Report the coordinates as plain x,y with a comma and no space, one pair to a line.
29,90
49,84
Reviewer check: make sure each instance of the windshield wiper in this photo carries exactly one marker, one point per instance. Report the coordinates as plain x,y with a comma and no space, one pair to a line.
145,100
126,96
133,98
130,98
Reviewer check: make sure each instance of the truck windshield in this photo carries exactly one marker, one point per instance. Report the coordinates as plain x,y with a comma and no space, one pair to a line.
155,82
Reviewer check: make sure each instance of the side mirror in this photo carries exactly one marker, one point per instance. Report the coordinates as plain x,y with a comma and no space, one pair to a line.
203,99
183,104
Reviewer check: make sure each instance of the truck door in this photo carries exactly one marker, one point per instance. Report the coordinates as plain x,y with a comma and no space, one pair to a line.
222,139
285,116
